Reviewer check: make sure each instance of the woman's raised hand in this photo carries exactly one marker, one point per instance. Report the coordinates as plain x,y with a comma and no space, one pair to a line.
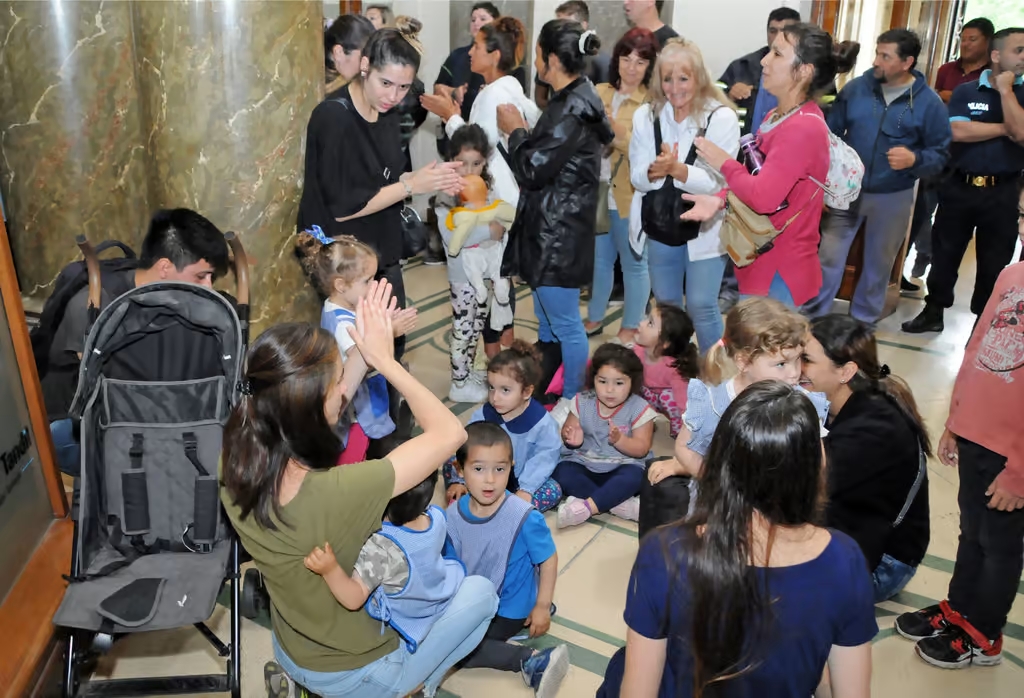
510,118
705,206
373,334
436,177
442,105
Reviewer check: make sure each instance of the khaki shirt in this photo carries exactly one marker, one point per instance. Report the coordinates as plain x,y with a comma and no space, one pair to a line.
622,190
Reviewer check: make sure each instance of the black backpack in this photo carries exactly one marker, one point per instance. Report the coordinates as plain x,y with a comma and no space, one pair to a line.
60,378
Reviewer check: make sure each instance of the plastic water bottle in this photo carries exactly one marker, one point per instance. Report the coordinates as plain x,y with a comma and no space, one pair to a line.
751,155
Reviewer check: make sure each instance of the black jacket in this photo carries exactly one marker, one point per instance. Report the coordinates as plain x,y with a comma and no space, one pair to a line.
747,70
558,166
872,464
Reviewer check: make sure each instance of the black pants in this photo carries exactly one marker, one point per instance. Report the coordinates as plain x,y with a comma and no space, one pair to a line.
666,502
989,556
495,652
393,273
993,210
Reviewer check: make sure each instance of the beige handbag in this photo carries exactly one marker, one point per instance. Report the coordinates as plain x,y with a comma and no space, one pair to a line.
747,234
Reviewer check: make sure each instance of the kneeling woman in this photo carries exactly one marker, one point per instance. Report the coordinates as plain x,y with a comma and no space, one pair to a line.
877,445
285,497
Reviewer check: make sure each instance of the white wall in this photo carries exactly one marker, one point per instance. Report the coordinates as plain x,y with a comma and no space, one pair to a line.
726,29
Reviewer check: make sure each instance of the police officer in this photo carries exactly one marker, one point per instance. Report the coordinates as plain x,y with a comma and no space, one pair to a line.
987,118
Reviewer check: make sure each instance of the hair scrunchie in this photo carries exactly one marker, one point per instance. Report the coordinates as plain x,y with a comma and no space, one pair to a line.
245,388
583,41
884,372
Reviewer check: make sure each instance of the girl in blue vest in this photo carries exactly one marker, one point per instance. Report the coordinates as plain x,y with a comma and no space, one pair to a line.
504,538
342,269
400,574
512,376
607,438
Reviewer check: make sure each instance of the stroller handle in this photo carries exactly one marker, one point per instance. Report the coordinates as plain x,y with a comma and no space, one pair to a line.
92,264
241,267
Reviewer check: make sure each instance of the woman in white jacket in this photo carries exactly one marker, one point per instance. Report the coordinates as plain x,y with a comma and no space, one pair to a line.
497,49
685,102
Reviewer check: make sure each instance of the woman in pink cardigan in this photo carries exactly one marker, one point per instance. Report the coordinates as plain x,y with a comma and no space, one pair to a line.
793,138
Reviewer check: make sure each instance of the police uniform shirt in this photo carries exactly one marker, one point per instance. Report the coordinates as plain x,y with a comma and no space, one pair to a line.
980,101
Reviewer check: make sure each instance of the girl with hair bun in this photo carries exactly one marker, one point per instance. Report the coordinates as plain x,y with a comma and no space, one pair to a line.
558,168
794,141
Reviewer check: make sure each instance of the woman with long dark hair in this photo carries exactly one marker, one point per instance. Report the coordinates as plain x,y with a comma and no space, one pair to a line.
877,449
344,40
285,497
355,182
749,596
794,140
558,167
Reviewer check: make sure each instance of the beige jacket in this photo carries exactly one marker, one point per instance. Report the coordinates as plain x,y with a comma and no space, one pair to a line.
622,189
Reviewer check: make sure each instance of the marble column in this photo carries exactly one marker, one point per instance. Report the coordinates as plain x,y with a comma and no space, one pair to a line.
226,89
71,153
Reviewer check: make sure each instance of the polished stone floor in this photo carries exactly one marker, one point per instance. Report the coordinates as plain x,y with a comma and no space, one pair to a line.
595,558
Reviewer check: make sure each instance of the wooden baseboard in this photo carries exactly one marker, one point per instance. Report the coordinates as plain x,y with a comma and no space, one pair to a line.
26,616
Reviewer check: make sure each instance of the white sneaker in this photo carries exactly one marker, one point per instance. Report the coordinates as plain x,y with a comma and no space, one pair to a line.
628,510
469,390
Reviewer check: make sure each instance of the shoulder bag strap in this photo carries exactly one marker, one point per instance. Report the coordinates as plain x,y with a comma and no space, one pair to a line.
922,468
361,125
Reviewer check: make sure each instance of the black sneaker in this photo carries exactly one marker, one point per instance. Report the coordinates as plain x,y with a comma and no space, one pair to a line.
953,648
908,286
930,320
917,625
434,258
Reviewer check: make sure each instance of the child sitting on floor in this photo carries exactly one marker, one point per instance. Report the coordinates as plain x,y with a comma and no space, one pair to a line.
763,340
664,343
342,269
536,445
505,539
607,437
400,574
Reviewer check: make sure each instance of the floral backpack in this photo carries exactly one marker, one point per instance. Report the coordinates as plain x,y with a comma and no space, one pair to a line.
845,172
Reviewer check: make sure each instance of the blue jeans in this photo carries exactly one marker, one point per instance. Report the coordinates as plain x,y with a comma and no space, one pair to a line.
455,634
886,218
66,449
635,279
890,577
558,320
777,290
672,271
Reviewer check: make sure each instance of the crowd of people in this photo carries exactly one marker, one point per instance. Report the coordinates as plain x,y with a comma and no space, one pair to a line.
796,495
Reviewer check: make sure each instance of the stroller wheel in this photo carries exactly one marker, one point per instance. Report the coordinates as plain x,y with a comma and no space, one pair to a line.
253,594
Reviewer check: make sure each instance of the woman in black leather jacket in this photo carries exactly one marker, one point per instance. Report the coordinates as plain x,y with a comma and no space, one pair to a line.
551,243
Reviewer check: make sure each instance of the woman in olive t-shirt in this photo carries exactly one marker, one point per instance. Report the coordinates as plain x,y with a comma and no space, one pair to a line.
284,497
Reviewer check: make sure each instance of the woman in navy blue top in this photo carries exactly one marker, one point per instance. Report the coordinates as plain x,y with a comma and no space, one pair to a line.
748,597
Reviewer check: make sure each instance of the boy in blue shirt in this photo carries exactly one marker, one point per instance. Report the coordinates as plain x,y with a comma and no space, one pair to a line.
504,538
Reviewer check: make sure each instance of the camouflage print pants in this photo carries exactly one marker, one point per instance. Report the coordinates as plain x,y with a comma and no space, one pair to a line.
468,319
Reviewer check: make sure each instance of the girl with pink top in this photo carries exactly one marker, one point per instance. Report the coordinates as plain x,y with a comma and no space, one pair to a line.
793,138
664,343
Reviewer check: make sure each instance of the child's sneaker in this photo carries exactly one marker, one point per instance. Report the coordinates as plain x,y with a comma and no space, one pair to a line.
545,670
276,681
954,648
628,510
572,512
469,390
917,625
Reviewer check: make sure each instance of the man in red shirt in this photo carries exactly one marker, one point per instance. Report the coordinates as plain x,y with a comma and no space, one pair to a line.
975,56
983,438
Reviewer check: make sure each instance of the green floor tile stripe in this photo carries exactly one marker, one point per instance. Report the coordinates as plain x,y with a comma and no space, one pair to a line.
882,634
924,350
881,612
1014,659
614,527
943,565
588,631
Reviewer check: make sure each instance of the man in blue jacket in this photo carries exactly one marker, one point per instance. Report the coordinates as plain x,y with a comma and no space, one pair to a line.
900,128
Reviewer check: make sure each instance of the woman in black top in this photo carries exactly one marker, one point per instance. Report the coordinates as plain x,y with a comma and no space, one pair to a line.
877,445
551,243
354,180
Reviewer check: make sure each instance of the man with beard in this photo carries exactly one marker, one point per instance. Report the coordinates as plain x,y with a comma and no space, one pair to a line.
899,127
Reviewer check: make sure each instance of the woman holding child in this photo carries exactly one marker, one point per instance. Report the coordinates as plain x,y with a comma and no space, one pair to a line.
285,499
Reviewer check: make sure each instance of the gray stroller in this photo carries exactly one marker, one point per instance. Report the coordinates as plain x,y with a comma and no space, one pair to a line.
152,548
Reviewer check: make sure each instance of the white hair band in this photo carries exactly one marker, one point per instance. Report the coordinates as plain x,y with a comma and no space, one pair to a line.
583,40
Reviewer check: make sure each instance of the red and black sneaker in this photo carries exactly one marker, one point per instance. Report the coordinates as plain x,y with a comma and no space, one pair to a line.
917,625
955,648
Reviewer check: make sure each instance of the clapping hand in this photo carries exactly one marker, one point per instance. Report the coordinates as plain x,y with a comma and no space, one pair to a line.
509,118
443,105
403,321
572,435
437,177
705,206
373,333
664,163
614,434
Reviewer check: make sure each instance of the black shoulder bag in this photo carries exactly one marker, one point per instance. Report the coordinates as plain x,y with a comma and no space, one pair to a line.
414,231
660,209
